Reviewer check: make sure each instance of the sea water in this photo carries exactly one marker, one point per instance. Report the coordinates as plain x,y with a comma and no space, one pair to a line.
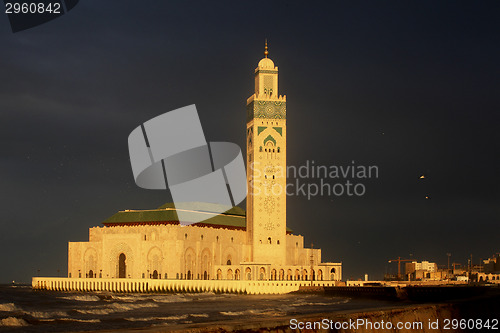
25,310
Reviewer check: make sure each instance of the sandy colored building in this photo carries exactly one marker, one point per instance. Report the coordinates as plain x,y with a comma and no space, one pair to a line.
423,270
255,245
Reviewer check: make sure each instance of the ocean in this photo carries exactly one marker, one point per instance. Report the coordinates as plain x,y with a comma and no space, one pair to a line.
25,310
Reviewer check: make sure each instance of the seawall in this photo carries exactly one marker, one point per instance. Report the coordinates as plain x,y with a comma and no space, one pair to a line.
171,285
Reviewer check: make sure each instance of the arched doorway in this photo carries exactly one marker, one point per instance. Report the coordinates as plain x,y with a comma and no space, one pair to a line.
206,263
155,274
262,273
122,266
189,275
91,274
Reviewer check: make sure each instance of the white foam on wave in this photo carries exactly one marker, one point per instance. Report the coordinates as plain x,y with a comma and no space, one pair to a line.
81,320
199,315
116,307
267,312
9,307
46,315
82,298
13,322
177,298
158,318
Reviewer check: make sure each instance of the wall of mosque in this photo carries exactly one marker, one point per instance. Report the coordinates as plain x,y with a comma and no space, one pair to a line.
188,253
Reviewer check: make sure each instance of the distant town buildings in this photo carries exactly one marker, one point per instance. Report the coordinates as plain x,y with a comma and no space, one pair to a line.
490,271
422,270
487,271
492,265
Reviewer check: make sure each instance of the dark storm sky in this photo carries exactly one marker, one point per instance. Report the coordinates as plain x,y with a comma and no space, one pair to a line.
412,87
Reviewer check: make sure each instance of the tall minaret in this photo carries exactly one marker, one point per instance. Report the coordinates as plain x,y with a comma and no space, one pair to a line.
266,166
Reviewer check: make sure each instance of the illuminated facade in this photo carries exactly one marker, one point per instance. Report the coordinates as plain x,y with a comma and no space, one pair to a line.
237,246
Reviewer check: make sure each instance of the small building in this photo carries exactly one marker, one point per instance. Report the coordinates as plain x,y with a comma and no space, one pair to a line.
423,270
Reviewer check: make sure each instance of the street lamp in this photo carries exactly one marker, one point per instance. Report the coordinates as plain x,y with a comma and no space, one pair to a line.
448,272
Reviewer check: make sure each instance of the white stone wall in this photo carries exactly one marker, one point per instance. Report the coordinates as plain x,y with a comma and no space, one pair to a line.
188,253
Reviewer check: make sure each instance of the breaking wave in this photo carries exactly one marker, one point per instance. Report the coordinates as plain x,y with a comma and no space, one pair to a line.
81,320
116,307
13,322
158,318
82,298
267,312
46,315
199,315
9,307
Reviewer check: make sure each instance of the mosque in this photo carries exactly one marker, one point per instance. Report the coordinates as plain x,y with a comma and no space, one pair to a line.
252,246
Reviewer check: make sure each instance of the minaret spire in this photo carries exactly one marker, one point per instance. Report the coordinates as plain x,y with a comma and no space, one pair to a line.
266,52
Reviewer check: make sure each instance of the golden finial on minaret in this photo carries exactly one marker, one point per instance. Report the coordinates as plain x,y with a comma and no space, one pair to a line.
266,52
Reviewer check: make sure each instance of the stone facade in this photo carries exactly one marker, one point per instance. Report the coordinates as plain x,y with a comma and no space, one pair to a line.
192,252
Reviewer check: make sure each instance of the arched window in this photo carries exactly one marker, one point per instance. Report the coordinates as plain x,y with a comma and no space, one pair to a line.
269,240
185,236
201,237
332,274
278,242
262,273
228,262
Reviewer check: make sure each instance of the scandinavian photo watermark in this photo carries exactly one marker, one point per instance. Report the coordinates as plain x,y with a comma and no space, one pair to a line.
311,179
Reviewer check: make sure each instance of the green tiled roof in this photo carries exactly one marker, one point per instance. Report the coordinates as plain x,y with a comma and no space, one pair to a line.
233,217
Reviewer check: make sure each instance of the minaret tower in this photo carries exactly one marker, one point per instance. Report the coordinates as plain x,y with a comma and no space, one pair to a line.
266,166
